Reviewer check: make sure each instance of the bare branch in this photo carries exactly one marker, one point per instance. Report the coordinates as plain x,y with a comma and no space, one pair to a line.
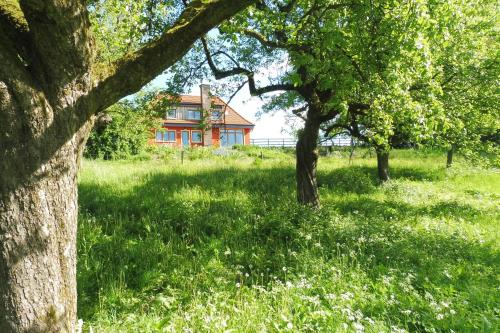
298,112
254,91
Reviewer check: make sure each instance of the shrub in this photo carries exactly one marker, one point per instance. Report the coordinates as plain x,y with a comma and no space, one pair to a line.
125,135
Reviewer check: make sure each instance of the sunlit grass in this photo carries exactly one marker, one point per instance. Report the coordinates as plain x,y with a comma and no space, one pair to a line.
218,244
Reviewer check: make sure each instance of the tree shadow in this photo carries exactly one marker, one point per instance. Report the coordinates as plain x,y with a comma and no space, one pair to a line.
364,180
392,208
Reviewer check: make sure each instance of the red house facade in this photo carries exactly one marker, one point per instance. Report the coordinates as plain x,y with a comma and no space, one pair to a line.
203,120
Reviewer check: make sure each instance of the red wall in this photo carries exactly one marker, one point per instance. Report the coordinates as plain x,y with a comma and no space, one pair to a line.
178,136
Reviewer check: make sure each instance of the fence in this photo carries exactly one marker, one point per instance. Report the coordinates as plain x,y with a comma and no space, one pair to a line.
290,142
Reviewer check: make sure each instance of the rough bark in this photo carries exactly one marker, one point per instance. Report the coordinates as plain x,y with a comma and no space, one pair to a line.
307,160
449,158
38,223
50,90
383,165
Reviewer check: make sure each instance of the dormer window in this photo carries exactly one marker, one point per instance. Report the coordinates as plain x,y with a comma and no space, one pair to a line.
216,115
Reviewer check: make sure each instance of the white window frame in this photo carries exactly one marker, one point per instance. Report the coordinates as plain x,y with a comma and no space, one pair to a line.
163,132
218,117
201,136
191,113
175,114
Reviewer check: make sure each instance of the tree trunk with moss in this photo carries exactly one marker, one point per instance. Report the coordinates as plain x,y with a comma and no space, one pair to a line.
383,165
50,89
307,160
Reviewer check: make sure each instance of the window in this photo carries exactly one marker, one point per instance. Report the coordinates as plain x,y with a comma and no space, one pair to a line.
196,136
230,138
194,114
165,136
172,114
216,115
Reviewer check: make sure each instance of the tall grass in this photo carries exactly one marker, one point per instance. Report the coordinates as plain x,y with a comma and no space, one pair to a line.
218,244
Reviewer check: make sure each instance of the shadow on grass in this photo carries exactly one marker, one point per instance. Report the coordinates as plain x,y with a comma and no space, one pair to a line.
392,209
173,226
364,180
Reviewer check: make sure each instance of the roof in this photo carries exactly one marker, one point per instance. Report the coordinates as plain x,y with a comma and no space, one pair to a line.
231,117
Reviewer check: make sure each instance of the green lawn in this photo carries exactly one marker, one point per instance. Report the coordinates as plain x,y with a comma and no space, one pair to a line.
218,244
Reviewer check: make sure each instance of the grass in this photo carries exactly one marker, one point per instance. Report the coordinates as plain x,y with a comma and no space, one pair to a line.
219,245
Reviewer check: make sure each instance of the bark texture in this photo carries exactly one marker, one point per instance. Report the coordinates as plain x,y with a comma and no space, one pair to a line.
383,165
50,90
38,223
307,160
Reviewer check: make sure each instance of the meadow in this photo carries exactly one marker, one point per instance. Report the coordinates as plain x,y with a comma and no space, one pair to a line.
218,244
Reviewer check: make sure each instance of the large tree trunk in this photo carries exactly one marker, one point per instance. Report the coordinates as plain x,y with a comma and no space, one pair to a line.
383,165
50,88
307,159
38,256
38,223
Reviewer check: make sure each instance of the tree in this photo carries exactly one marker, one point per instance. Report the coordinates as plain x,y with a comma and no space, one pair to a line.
51,87
465,48
454,104
358,58
261,38
447,98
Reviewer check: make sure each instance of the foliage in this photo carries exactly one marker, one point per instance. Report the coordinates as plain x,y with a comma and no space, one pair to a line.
121,26
451,96
127,134
220,245
466,52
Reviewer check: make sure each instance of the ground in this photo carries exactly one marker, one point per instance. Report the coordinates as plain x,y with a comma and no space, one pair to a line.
217,244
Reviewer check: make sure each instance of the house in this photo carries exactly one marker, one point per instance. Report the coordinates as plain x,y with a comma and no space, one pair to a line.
203,120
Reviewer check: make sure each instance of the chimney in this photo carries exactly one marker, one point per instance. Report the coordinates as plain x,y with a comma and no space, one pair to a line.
206,105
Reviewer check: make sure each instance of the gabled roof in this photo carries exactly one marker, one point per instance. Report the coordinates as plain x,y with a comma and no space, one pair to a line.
230,117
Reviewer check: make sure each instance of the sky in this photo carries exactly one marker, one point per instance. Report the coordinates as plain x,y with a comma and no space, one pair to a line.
268,126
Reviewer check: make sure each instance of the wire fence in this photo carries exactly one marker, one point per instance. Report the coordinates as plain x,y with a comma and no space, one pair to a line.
291,142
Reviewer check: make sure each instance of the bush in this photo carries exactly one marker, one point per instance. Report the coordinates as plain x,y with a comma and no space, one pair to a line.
124,135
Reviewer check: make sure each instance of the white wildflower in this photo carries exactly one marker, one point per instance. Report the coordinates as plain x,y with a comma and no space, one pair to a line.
359,327
79,326
347,296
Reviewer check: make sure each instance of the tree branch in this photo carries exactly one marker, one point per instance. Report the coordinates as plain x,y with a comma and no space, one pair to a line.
353,63
298,112
130,73
263,40
254,91
221,74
